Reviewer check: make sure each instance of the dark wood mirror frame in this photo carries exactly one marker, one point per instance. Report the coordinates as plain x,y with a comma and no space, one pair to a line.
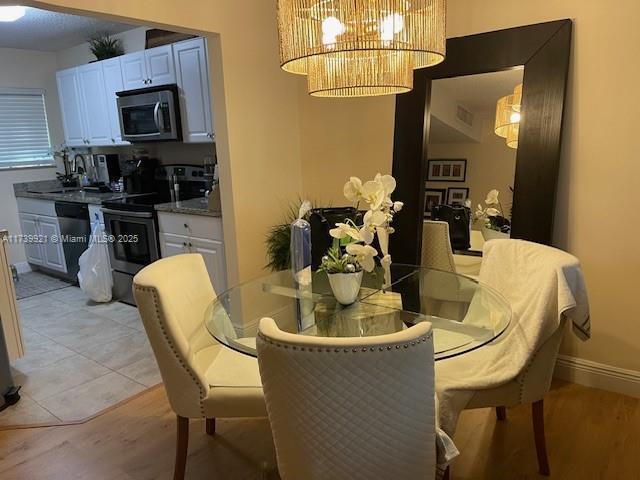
544,50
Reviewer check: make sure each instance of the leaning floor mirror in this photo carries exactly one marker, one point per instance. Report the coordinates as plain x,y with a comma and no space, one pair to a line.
478,140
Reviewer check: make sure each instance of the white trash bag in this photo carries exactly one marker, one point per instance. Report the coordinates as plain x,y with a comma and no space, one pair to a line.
95,270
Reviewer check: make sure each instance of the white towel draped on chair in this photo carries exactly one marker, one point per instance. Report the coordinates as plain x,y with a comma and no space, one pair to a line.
543,285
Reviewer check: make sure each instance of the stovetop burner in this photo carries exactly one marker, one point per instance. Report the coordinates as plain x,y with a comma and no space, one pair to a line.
136,203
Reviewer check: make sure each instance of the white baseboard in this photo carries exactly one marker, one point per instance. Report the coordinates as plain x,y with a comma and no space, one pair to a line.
598,375
22,267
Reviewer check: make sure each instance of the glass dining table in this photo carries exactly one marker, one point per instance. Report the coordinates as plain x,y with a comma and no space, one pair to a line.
465,315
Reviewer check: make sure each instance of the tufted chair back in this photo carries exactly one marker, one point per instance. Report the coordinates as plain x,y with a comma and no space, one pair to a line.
172,296
350,408
436,246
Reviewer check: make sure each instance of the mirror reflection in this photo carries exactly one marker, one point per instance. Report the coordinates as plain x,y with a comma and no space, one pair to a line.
473,141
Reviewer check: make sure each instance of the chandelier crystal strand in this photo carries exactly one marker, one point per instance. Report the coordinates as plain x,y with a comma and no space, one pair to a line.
360,47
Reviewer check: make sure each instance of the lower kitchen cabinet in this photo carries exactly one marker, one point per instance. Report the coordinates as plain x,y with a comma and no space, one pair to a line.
181,233
42,243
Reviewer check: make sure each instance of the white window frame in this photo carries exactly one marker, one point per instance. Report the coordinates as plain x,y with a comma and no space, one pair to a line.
48,161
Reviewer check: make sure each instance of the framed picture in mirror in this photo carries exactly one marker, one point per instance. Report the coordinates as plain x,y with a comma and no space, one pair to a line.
432,197
447,170
457,196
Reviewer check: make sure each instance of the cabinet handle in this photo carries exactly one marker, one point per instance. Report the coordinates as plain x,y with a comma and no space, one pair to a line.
186,226
150,81
184,244
190,245
113,140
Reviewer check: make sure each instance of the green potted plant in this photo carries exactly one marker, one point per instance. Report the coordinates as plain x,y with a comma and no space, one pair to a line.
104,46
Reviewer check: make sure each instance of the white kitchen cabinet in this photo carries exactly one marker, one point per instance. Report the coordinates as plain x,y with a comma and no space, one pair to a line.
192,77
93,101
53,252
171,244
148,68
212,252
112,72
71,107
182,233
134,72
29,226
44,248
160,66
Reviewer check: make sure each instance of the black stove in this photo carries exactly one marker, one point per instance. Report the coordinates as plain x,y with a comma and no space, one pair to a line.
144,202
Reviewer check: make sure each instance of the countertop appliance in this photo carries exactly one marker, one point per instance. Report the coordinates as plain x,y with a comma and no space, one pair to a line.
133,221
107,167
75,229
150,114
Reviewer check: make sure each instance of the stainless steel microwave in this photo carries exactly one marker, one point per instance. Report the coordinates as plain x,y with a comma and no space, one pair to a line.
150,114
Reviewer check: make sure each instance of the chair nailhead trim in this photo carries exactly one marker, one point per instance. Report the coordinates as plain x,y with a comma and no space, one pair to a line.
154,295
412,343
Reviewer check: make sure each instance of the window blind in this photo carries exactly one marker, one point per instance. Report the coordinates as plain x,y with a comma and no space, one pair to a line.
24,132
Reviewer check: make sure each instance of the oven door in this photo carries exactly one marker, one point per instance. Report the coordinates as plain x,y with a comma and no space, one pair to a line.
148,117
134,241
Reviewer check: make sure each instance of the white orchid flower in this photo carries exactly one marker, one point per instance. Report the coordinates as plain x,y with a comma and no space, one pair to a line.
492,197
374,218
373,194
397,206
353,189
387,182
364,255
344,230
367,235
493,212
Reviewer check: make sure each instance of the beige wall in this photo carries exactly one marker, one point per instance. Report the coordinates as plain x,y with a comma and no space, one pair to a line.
255,110
595,215
342,138
490,164
132,41
27,69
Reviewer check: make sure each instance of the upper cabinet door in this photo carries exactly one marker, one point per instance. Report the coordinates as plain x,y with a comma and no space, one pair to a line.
159,65
71,108
134,71
94,104
192,74
112,72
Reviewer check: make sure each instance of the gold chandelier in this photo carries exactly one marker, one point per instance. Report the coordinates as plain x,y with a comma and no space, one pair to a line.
508,117
357,48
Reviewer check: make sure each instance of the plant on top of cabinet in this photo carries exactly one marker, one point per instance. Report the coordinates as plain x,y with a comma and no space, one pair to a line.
104,46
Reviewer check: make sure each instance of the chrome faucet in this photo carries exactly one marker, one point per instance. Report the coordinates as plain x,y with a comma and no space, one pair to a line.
74,164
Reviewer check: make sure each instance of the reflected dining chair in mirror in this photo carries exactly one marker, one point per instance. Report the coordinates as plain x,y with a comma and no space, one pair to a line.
484,128
436,246
350,408
202,378
545,288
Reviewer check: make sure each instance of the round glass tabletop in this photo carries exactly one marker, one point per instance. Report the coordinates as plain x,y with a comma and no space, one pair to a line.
465,314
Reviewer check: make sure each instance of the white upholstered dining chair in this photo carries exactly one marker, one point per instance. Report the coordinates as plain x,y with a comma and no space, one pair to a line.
202,378
545,288
436,246
350,408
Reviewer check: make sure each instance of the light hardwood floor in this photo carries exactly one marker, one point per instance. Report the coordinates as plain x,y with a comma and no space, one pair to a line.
591,434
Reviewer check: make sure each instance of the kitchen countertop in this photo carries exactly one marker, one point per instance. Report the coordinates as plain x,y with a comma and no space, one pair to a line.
195,206
49,190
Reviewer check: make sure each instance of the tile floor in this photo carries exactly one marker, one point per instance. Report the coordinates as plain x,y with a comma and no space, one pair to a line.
81,358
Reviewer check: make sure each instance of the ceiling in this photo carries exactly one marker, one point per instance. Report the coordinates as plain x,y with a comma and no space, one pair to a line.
481,92
51,31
